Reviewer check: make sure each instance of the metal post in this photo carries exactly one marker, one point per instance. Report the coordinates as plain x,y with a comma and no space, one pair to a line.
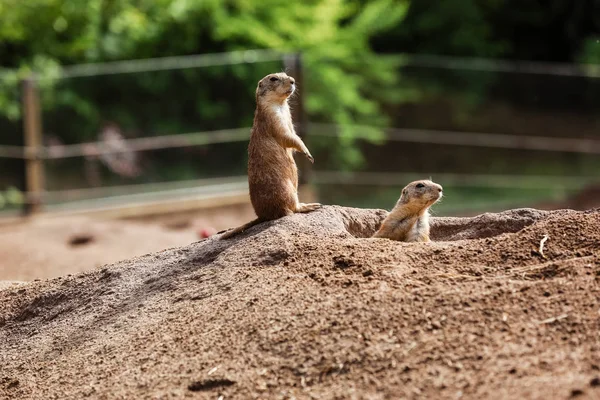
32,137
294,67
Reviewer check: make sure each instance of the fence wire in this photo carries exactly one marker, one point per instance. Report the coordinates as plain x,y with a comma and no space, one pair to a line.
455,138
496,65
454,179
265,55
162,64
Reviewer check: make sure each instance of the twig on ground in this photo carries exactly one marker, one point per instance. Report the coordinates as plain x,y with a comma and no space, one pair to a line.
553,319
456,276
542,242
212,371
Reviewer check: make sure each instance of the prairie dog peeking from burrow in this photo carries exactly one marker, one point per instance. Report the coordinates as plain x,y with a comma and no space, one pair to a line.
409,219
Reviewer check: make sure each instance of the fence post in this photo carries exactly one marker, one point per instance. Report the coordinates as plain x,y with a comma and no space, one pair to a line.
294,67
32,138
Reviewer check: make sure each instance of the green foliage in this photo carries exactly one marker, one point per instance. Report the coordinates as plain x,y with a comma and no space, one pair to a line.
458,28
11,198
514,29
590,53
509,29
345,84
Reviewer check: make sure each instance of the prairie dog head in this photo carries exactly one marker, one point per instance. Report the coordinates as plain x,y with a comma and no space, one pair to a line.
275,88
421,193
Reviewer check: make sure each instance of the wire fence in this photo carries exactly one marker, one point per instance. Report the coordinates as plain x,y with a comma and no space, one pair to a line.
160,64
454,138
263,55
203,138
490,140
496,65
455,179
217,186
98,148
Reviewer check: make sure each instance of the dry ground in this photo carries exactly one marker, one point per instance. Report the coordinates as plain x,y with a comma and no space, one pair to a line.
44,248
72,244
309,307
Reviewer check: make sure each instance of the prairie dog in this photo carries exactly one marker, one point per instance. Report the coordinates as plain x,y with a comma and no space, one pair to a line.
409,220
272,171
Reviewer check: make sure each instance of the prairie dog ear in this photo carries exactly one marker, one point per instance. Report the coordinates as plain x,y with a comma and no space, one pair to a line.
261,89
403,195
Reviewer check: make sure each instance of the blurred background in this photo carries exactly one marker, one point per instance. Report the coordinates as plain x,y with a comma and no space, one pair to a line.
124,124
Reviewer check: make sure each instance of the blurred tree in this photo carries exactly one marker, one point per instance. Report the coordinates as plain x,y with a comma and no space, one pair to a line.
551,31
590,53
546,30
345,84
524,30
455,27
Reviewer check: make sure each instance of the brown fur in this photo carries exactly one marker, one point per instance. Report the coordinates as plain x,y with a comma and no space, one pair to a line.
272,171
409,220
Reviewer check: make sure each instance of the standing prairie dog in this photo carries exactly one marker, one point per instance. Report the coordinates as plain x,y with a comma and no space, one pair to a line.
272,171
409,220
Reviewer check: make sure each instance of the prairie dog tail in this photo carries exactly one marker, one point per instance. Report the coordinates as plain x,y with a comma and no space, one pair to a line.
232,232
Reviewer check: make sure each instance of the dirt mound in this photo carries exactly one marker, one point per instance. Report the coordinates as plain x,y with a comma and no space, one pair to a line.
309,307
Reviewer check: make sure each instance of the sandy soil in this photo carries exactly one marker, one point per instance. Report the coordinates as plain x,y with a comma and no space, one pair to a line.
72,244
308,307
44,248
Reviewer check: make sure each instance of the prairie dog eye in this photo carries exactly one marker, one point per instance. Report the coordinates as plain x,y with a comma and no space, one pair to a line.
420,185
273,79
